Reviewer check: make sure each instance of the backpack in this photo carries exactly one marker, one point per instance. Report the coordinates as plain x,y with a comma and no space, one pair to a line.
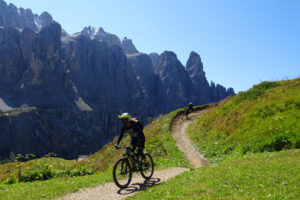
139,124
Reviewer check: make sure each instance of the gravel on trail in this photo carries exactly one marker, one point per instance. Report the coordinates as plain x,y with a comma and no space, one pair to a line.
111,191
178,128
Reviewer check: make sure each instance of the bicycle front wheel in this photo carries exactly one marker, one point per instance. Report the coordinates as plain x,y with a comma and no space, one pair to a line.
122,173
148,168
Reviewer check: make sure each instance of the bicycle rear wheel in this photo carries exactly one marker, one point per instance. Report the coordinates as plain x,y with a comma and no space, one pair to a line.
122,173
148,168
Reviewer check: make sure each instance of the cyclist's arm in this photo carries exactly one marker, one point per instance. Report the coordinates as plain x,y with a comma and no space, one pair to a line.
121,135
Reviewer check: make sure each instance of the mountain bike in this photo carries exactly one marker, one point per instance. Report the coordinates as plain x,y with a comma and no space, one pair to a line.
129,163
186,112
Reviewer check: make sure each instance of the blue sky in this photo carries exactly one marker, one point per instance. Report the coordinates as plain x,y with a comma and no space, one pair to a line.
241,43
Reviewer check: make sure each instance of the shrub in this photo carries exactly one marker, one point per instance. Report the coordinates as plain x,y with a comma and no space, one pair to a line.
37,175
245,149
11,180
296,144
82,171
278,143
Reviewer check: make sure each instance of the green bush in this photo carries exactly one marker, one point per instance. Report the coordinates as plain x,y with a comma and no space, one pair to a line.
11,180
82,171
278,143
296,143
44,173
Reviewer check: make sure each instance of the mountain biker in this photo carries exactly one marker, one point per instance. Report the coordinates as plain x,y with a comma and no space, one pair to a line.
188,109
135,129
190,106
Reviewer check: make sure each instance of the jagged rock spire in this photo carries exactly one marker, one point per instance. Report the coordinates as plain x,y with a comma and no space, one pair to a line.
194,63
128,46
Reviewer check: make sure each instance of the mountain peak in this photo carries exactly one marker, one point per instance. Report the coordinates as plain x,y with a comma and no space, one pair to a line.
90,31
194,63
128,46
169,55
101,30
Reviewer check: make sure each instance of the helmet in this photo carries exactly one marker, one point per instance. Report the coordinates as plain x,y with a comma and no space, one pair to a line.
124,116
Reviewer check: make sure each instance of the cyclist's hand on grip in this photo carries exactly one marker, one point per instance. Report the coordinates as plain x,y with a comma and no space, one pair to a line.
117,147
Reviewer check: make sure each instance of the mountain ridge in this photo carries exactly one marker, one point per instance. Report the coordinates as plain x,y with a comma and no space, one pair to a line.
83,80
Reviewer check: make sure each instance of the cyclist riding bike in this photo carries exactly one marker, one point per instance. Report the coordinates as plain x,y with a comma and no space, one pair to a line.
190,106
188,110
134,128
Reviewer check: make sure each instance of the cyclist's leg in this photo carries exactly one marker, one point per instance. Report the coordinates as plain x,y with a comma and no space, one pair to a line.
141,147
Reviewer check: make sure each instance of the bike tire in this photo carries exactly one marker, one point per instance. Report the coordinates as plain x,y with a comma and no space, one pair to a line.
147,173
122,166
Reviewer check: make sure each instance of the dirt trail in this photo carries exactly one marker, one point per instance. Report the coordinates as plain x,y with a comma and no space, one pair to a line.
178,128
111,191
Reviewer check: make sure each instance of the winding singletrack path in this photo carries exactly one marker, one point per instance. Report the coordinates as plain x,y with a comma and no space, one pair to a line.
110,191
178,129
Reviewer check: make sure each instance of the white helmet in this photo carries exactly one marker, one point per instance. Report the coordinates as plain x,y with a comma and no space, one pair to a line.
124,116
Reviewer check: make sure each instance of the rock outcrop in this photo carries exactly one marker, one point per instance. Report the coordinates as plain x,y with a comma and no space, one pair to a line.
200,86
10,15
61,93
175,81
154,58
128,46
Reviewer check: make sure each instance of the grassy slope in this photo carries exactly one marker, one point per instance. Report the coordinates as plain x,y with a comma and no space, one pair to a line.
51,189
253,176
232,135
265,118
9,169
159,143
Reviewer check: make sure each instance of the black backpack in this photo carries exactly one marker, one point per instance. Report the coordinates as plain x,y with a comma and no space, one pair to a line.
139,124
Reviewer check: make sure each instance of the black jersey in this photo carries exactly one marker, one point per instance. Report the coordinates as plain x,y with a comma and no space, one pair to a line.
135,130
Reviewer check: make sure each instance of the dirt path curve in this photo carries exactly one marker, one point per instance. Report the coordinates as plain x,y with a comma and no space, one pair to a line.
111,191
178,128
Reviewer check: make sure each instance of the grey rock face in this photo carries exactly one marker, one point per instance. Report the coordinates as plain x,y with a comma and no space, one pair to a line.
200,86
128,46
145,82
154,58
111,39
45,19
40,132
10,15
100,35
61,93
219,92
175,80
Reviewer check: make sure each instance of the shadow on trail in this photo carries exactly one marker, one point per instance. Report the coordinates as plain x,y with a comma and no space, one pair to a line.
135,187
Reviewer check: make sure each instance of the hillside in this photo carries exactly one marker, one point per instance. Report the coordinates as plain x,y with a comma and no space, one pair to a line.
232,175
265,118
159,143
252,141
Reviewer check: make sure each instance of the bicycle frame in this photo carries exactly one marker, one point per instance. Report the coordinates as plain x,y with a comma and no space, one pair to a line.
133,158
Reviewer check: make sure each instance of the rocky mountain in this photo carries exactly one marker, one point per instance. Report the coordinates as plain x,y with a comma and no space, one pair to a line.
200,85
128,46
22,18
175,81
154,58
100,35
61,93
